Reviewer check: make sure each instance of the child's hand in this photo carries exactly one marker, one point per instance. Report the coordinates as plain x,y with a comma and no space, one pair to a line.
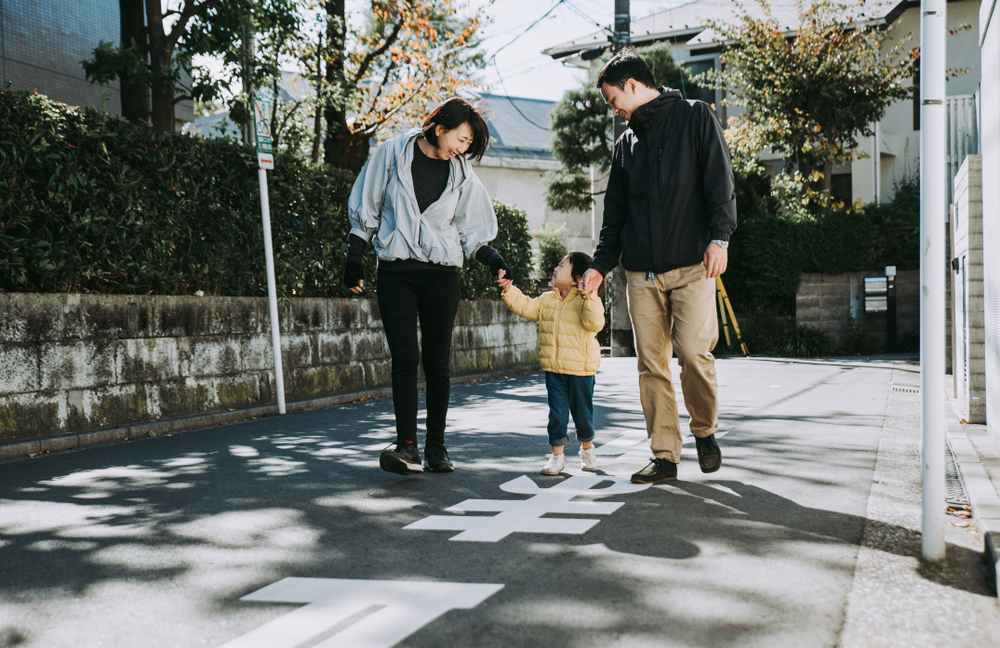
504,284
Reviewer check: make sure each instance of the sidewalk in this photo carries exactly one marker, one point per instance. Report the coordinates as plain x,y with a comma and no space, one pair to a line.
978,459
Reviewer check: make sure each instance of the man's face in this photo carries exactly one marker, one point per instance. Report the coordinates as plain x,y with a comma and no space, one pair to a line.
623,101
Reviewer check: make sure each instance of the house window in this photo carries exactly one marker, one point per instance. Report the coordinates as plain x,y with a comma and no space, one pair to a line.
840,187
694,68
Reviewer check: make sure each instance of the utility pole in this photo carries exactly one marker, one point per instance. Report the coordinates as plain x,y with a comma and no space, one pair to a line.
622,341
932,288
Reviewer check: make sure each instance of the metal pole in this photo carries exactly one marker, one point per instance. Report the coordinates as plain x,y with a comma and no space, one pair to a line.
878,163
932,290
272,294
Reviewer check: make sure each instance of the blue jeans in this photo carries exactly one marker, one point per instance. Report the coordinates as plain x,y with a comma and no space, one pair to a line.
570,394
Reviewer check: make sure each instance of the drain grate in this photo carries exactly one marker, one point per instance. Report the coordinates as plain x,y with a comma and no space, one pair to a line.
954,489
906,389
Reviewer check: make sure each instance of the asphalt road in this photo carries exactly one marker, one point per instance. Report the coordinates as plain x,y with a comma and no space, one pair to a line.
284,532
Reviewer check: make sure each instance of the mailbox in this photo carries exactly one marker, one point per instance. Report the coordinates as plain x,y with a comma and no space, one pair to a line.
876,292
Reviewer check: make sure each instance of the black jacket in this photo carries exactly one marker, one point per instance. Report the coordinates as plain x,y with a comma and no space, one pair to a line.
671,188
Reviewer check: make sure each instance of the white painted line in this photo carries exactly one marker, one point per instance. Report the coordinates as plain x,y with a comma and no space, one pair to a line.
525,516
348,613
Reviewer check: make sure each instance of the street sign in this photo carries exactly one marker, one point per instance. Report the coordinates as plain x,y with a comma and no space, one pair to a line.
262,132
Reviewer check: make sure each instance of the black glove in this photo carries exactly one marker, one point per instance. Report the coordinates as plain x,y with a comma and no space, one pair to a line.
354,273
490,257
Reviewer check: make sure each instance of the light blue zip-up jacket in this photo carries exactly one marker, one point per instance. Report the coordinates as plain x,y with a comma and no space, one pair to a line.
383,207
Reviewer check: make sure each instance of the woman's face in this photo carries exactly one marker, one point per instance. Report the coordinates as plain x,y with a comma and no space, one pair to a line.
453,142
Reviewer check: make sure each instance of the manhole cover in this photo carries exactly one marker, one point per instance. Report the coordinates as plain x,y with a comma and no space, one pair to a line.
906,389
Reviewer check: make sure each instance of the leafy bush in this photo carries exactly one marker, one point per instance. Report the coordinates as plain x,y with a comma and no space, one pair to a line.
553,245
97,205
513,241
805,342
768,253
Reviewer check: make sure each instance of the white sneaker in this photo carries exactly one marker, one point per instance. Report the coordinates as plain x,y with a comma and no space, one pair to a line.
554,465
588,459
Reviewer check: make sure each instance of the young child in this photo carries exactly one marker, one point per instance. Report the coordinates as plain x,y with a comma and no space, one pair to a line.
568,352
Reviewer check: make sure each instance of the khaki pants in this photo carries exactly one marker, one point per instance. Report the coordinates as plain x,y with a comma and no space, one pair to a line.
675,311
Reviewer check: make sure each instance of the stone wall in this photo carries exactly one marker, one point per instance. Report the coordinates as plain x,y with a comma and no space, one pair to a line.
833,303
71,362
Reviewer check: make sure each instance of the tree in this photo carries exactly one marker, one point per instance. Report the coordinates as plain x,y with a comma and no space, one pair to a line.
407,54
253,40
582,127
145,59
808,94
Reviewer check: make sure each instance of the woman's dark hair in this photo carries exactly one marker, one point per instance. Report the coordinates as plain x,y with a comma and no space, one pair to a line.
579,263
623,66
452,114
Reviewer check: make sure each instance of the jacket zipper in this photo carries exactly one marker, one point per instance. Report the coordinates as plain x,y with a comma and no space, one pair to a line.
555,329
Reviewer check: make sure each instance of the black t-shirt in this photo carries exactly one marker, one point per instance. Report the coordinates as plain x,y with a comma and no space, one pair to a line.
430,177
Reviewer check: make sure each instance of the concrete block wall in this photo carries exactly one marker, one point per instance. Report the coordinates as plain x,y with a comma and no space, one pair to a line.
830,303
969,356
71,362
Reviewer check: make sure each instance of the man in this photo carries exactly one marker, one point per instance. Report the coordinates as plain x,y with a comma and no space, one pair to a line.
669,210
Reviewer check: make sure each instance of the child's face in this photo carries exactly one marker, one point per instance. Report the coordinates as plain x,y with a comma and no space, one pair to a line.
562,276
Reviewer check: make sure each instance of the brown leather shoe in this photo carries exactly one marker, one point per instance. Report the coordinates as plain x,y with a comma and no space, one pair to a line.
709,455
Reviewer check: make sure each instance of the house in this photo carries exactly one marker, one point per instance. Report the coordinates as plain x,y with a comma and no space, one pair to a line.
517,160
42,44
870,177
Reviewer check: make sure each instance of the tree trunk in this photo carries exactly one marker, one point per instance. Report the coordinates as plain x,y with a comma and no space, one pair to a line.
134,96
160,59
341,147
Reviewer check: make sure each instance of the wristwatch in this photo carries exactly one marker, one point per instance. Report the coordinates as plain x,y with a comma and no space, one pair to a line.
721,244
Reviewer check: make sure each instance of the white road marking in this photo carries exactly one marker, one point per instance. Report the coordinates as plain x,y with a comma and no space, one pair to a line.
348,613
525,516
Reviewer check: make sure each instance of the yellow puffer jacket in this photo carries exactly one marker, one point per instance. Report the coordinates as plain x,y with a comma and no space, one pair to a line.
567,329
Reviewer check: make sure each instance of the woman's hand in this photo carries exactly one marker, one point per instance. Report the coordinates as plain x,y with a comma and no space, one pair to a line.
354,277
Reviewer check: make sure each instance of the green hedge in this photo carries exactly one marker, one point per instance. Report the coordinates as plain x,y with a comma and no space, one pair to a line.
768,253
97,205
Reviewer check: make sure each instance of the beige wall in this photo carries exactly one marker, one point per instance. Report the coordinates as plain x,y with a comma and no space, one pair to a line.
522,183
900,143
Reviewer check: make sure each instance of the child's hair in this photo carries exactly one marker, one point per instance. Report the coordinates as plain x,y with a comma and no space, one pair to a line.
579,263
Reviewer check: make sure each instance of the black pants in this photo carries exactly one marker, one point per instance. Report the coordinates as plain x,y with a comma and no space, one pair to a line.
432,296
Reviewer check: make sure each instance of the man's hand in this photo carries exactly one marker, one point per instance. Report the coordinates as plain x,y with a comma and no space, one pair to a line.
589,282
716,260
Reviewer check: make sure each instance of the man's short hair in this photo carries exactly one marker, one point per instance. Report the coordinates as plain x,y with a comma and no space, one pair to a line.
623,66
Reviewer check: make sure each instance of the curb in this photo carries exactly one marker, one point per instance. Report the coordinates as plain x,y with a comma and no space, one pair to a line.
89,438
978,458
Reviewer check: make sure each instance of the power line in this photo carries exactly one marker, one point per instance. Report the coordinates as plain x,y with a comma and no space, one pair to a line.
526,118
544,16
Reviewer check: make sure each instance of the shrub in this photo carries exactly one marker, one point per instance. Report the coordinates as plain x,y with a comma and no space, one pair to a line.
768,253
553,245
98,205
804,342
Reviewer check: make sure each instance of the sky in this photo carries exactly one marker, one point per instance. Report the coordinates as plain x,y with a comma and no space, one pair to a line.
520,69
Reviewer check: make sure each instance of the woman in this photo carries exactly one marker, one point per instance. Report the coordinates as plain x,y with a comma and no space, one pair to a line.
425,211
